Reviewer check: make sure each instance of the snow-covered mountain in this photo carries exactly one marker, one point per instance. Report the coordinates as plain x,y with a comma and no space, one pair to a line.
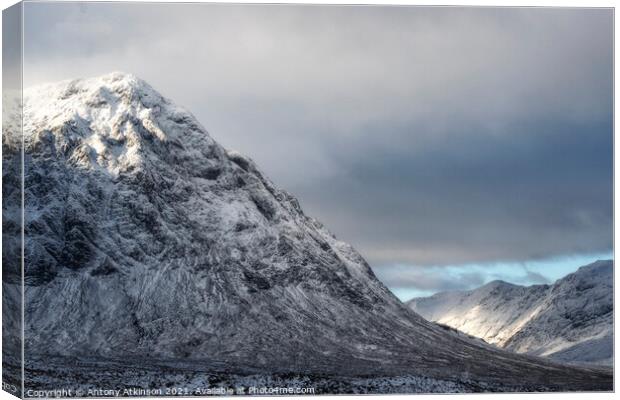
571,320
153,255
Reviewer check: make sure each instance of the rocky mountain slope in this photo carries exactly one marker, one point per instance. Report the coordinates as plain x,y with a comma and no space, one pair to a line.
571,320
152,250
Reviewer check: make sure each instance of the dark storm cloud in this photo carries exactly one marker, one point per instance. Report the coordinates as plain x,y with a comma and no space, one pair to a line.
423,136
430,279
541,188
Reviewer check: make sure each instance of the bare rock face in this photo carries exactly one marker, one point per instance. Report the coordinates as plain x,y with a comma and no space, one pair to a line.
569,321
145,239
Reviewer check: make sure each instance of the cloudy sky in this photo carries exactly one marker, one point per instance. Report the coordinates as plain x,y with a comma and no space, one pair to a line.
450,146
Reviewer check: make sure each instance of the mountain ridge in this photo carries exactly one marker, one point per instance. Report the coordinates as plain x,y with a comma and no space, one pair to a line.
542,320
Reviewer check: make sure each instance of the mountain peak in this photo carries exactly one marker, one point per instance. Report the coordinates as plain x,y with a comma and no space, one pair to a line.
127,77
119,83
498,283
114,123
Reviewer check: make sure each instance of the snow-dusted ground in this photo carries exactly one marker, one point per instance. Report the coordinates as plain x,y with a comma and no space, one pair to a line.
154,256
569,321
83,377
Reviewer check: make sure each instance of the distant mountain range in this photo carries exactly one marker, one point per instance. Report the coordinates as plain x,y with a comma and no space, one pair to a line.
569,321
